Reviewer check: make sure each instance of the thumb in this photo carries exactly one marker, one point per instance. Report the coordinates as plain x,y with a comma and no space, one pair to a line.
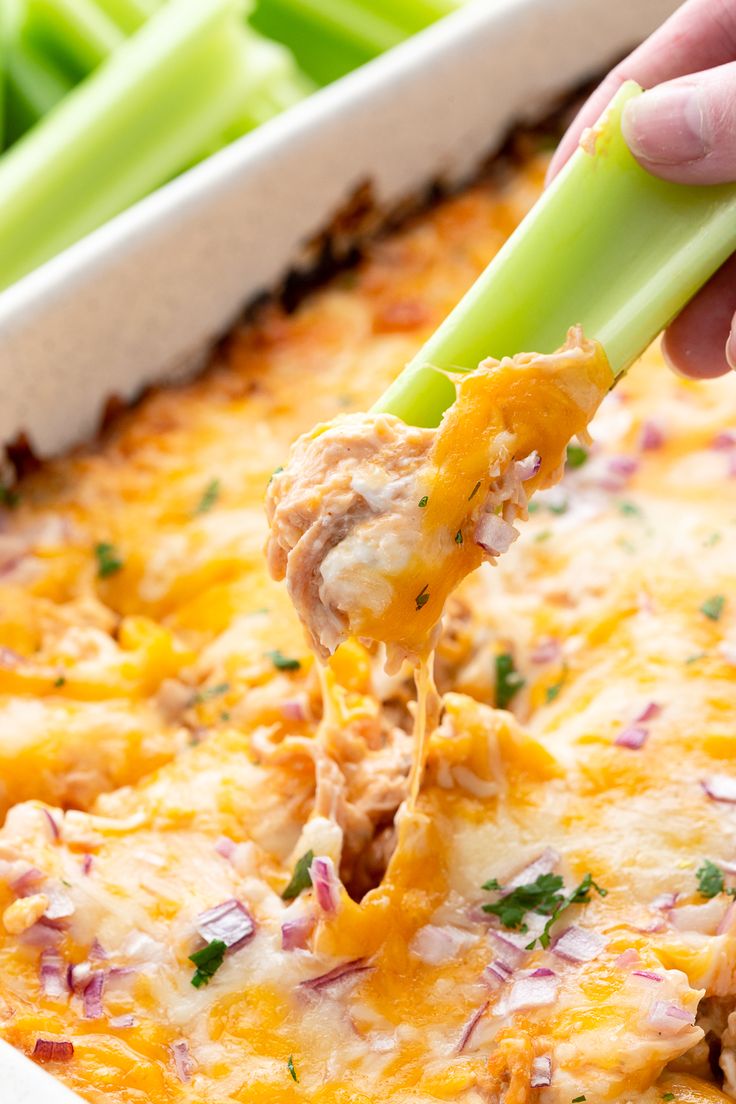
685,130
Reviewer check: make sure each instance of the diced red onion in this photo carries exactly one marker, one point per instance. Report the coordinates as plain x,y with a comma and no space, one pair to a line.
511,947
724,440
53,826
578,944
45,933
531,992
727,867
182,1060
78,975
669,1019
52,971
543,864
720,787
628,958
436,945
126,1020
97,951
27,882
230,922
665,901
60,903
337,974
296,931
326,883
225,846
633,737
87,862
53,1050
294,711
650,711
541,1073
497,973
651,437
546,651
648,975
542,971
469,1027
494,535
92,996
9,659
703,918
728,921
529,466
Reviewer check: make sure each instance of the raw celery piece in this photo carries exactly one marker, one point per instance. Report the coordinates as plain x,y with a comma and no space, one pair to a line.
160,99
76,34
129,15
607,245
413,15
35,84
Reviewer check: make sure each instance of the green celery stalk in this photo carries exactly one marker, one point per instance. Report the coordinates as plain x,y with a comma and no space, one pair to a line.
76,34
273,84
35,84
607,245
159,100
412,15
129,15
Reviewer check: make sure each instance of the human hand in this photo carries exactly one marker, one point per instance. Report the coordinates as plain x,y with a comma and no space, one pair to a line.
683,130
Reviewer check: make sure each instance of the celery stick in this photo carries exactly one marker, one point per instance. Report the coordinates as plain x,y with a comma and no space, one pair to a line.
607,245
35,85
129,15
412,15
273,84
77,34
160,99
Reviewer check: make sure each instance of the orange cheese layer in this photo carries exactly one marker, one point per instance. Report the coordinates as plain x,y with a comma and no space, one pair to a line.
171,708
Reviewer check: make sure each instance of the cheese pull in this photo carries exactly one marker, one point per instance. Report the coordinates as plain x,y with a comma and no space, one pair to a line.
608,247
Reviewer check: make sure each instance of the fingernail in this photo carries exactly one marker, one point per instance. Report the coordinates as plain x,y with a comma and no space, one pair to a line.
667,125
731,348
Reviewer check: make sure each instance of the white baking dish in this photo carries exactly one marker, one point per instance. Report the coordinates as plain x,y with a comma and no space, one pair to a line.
144,296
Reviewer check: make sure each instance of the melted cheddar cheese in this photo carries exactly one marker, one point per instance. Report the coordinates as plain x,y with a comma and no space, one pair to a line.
169,748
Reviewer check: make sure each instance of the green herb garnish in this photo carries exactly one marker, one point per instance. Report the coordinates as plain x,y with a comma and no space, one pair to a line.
578,1099
543,896
508,680
423,501
629,509
209,497
576,456
8,497
301,879
713,607
474,491
210,692
459,537
422,597
282,662
60,681
208,961
290,1067
710,879
553,691
108,560
668,1096
558,507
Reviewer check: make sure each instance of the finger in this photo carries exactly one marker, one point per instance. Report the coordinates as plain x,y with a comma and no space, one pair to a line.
684,130
700,34
695,343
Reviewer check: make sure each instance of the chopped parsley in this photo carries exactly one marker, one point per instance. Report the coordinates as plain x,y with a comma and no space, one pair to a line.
558,507
714,538
533,507
208,961
290,1067
552,691
668,1096
629,509
694,658
713,607
60,681
576,456
544,535
474,491
459,537
282,662
276,471
423,501
210,692
209,497
301,879
8,497
578,1099
710,879
422,597
544,895
108,560
508,680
